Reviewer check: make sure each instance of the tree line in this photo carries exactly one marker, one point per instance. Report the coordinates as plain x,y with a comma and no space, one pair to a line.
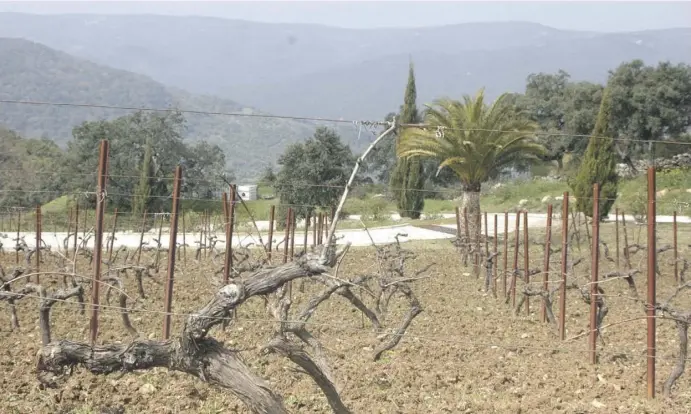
470,141
583,128
145,147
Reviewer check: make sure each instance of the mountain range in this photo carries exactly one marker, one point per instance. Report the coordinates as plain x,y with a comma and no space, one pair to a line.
39,77
299,69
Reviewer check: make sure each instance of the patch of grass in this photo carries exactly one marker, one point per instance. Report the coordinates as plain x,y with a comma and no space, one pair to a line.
508,195
672,193
59,205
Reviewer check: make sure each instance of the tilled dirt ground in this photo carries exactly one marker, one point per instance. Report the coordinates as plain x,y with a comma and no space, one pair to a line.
466,353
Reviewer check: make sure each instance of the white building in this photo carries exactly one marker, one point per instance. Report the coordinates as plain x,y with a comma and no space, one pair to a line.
247,192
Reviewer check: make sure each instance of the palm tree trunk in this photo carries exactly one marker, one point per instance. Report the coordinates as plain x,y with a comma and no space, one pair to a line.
470,203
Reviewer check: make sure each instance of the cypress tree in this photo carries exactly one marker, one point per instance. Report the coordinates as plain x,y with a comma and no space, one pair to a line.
407,178
598,166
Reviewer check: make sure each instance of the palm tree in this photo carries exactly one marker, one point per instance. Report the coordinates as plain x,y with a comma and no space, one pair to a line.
475,140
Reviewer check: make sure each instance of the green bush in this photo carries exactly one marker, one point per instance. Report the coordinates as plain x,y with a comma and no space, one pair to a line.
376,208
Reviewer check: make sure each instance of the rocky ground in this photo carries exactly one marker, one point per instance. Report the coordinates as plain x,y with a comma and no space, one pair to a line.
466,353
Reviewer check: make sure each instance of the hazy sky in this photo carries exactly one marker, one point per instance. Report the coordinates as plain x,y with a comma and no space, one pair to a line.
577,15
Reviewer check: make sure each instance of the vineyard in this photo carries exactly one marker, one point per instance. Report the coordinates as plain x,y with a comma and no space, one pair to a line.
209,314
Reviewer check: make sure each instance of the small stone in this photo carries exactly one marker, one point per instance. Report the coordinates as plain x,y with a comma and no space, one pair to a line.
597,404
147,389
524,336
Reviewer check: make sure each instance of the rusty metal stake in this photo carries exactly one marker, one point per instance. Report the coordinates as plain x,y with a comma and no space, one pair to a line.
293,225
515,260
320,230
69,231
226,261
307,231
160,235
19,228
594,271
548,247
652,261
314,230
98,239
676,247
616,233
564,259
496,259
112,236
141,238
231,225
272,218
627,259
184,240
458,222
526,258
467,236
172,248
38,242
506,253
286,239
486,236
76,226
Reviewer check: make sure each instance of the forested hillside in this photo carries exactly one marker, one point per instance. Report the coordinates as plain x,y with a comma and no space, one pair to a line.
32,72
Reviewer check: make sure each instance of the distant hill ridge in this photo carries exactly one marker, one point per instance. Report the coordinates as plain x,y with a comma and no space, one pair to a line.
33,72
307,69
